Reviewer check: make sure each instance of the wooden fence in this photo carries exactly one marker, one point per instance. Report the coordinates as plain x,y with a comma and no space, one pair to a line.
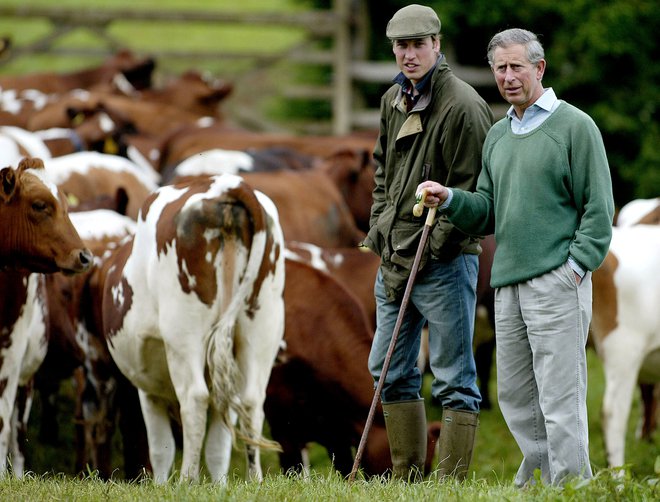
343,26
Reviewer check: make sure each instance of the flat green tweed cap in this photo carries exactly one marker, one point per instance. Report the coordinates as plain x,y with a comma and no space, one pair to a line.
413,21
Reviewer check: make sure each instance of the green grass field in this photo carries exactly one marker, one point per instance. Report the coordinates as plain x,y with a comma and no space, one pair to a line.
495,461
496,455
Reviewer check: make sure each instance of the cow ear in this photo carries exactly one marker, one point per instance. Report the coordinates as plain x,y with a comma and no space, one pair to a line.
30,163
8,183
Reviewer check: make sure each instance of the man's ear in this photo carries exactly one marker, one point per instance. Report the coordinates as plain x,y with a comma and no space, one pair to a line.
540,69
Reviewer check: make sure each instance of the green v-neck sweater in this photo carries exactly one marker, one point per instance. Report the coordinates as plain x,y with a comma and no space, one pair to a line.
545,195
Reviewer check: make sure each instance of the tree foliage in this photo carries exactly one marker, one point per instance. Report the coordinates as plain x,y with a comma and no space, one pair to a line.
601,56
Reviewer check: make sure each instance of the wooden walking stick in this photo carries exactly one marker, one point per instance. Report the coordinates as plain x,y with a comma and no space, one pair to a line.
418,209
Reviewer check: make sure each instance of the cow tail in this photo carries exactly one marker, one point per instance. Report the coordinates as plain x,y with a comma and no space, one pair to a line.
225,375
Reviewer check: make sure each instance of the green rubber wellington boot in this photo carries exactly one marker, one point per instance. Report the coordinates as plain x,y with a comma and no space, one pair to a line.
456,442
405,422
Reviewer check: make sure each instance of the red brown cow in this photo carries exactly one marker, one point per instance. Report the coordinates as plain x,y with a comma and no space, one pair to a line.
137,70
37,233
311,207
321,390
189,140
355,268
190,91
194,316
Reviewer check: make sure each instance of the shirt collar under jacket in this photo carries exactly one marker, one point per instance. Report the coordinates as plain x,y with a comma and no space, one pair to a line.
422,85
536,114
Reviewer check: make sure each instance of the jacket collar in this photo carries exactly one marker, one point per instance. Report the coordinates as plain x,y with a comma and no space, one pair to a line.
413,122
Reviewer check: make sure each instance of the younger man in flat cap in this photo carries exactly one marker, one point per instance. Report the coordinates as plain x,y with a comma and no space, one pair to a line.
432,127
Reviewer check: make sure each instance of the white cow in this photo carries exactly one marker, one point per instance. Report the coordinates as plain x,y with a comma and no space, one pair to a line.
194,316
646,211
626,325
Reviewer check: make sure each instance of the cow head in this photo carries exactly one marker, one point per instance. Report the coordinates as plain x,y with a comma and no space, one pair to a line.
37,233
101,128
352,170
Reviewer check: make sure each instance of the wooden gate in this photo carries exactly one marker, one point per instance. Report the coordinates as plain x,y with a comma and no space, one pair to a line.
341,29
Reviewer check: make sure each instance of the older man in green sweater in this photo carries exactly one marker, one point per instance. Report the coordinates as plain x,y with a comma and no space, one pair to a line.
545,191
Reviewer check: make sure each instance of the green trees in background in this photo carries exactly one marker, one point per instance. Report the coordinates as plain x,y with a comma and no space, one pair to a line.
602,56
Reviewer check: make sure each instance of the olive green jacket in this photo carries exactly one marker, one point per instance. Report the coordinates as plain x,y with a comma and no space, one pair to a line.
439,139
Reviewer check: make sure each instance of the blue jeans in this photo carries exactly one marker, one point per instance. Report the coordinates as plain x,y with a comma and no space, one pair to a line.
444,296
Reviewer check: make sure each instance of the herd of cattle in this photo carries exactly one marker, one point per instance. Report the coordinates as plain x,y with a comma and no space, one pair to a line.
194,280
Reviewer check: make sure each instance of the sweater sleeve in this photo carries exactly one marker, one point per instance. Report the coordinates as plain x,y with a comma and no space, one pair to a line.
592,193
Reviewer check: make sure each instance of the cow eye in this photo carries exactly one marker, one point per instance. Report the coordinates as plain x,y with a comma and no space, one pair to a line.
39,205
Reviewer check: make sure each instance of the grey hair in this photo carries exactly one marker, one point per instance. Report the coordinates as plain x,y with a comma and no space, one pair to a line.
517,36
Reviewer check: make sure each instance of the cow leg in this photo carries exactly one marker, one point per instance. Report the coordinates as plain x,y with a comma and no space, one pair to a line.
253,457
342,457
648,422
620,383
292,459
19,426
255,362
131,426
7,400
483,357
48,395
218,446
159,434
187,374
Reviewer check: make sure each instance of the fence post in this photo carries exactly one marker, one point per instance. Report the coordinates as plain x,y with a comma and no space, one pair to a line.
341,99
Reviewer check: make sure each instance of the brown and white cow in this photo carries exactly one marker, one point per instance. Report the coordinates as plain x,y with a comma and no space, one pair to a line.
639,211
77,349
310,206
351,170
194,316
149,117
23,342
37,233
644,212
17,143
86,176
626,326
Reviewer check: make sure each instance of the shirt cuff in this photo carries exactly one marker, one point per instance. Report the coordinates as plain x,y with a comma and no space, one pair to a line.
447,201
576,268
